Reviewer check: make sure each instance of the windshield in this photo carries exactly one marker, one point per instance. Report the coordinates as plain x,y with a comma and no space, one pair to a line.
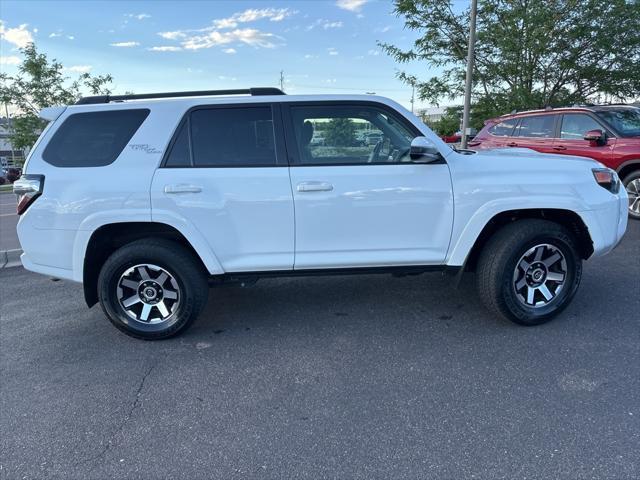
625,121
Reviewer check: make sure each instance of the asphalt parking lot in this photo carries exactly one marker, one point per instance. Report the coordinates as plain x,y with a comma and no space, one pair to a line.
350,377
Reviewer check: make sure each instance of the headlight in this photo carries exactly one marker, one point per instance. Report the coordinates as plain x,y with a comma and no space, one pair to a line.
607,178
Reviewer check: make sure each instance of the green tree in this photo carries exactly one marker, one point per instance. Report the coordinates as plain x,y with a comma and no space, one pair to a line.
449,123
41,83
529,53
340,132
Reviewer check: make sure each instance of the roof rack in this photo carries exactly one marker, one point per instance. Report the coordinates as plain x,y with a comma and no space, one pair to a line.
198,93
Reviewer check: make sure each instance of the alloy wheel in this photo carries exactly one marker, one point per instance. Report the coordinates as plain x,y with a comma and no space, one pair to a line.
148,293
633,191
540,275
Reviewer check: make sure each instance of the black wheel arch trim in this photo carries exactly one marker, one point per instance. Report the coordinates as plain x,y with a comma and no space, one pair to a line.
628,163
107,238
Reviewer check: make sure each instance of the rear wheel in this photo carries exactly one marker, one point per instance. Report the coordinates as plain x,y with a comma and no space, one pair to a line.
632,184
152,289
529,271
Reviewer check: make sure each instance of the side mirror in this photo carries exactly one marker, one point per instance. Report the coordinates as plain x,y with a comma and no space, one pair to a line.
596,137
423,151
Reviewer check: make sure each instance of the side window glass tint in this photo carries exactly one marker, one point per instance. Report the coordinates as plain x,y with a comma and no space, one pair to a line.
349,134
180,156
233,137
93,139
574,126
537,126
503,129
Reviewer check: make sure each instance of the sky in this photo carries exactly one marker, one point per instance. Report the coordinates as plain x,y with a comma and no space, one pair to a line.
321,46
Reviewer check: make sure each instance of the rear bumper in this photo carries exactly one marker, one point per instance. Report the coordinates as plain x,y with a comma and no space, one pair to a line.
48,270
49,251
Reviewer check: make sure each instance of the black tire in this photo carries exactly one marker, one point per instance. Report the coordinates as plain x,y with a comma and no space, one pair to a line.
635,213
188,284
500,271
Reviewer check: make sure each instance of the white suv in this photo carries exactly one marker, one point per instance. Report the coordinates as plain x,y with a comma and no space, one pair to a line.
149,199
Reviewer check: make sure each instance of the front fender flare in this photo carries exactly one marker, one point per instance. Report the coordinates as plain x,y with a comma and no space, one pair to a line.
465,236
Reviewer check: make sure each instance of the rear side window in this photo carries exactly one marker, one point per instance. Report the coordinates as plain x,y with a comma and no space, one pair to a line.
225,137
537,126
93,139
504,129
180,154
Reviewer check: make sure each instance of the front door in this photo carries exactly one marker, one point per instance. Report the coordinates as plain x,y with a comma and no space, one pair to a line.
571,142
359,199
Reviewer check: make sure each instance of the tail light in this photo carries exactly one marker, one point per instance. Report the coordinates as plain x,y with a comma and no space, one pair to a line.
607,178
27,188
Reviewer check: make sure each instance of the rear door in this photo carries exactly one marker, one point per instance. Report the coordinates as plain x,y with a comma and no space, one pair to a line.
536,132
497,136
360,203
571,140
225,176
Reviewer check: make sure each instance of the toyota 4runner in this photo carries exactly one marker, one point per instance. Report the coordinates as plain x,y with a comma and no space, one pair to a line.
149,199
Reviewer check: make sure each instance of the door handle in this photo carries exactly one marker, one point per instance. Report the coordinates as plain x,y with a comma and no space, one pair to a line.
182,189
314,187
512,144
559,147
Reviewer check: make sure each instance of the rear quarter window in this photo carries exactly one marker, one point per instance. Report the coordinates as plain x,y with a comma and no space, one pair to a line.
93,139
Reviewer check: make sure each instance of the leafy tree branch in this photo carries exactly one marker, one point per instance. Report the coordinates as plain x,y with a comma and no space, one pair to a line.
42,83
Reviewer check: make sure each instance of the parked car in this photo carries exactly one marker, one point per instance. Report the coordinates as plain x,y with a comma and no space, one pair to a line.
147,203
317,140
609,134
372,138
13,174
457,136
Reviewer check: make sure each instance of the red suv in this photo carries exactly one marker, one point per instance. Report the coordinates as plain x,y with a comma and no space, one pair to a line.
609,134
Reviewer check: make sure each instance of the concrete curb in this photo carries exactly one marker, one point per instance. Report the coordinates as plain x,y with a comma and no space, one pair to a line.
10,258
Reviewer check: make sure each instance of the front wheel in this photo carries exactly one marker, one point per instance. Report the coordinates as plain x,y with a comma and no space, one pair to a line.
152,289
632,184
529,271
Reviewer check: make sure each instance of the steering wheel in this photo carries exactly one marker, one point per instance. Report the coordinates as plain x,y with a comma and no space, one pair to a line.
375,153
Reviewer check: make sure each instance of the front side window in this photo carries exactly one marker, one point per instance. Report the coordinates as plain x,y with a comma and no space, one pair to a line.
93,139
225,137
625,121
537,126
575,125
504,129
350,135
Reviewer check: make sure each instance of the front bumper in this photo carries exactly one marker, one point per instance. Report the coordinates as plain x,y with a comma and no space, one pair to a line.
608,223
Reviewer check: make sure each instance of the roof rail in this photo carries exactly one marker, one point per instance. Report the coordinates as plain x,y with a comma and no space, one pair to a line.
198,93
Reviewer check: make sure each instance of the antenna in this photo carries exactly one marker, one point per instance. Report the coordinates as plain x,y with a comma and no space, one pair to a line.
282,80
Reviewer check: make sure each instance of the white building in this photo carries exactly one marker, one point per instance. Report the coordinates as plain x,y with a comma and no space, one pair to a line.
7,153
431,114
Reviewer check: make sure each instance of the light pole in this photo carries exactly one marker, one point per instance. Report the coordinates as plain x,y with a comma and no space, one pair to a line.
468,84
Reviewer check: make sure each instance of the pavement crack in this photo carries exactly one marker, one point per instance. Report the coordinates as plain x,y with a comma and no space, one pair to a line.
111,440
